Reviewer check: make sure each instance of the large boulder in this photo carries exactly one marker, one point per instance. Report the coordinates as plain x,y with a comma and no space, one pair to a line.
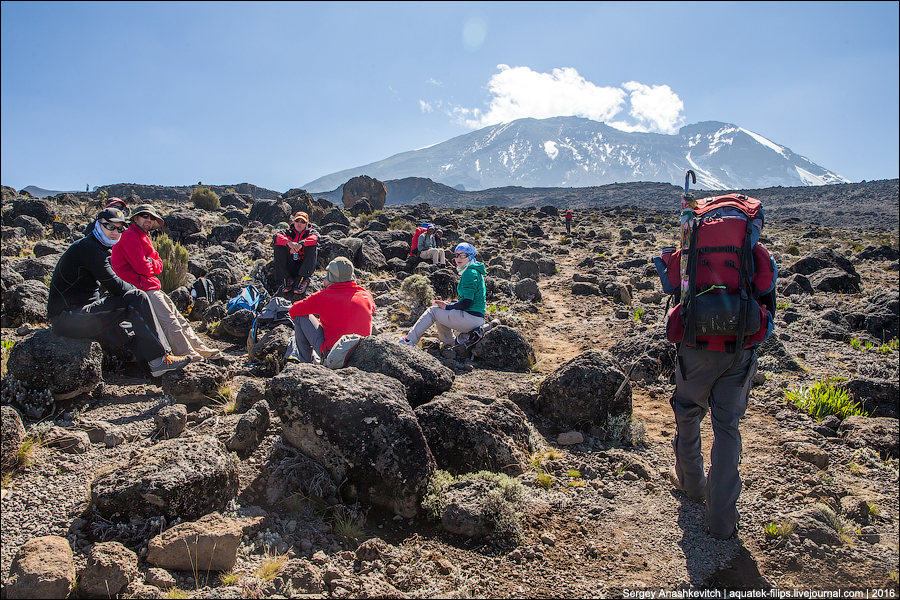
37,208
421,374
185,478
466,435
197,383
211,542
881,434
360,427
26,303
34,229
270,212
582,392
183,222
364,187
651,354
42,568
505,348
110,568
65,366
878,397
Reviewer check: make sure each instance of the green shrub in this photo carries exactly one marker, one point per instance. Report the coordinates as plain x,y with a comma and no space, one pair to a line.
793,250
418,289
205,198
823,399
175,260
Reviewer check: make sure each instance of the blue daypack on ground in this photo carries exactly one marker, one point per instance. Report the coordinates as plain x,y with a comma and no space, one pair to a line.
250,298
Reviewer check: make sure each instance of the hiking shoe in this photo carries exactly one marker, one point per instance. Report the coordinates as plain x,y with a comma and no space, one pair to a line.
166,363
405,342
673,479
724,537
288,286
301,286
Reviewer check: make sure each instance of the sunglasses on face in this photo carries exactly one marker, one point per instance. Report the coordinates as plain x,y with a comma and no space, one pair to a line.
111,227
299,221
462,256
144,215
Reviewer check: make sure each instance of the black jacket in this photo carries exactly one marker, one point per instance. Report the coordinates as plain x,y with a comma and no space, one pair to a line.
79,273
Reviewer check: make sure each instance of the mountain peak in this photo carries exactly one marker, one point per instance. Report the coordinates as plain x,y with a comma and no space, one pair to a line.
579,152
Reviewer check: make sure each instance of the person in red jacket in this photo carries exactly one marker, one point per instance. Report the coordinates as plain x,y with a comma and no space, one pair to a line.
136,261
342,307
296,252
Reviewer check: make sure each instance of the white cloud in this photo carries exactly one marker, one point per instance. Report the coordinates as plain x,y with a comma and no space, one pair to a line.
519,92
425,106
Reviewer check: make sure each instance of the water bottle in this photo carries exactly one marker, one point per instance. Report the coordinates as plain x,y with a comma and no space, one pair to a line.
296,256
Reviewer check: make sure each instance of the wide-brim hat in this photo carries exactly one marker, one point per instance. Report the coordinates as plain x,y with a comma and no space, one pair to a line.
147,208
340,270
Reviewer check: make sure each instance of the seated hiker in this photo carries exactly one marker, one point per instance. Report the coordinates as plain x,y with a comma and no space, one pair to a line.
136,261
295,254
429,248
465,314
342,307
122,318
117,203
417,234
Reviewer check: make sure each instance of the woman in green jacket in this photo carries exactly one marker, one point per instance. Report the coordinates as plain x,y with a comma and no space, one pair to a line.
465,314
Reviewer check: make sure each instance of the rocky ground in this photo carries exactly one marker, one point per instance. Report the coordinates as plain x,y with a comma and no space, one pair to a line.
592,519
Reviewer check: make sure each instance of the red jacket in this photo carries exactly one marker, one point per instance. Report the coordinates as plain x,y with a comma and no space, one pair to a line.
309,237
135,260
342,308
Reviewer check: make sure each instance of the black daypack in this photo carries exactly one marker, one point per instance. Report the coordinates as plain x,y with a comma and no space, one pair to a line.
203,288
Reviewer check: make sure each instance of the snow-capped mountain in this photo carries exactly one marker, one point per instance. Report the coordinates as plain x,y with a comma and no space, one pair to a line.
578,152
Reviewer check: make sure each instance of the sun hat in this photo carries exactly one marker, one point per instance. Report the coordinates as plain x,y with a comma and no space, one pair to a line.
340,270
467,249
147,208
111,214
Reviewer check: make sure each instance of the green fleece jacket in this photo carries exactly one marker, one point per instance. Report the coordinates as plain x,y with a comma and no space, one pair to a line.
471,287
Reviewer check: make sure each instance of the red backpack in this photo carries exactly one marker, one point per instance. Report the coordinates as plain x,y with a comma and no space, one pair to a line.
731,277
414,247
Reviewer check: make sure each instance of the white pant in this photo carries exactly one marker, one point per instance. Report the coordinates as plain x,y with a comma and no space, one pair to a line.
445,322
179,333
436,255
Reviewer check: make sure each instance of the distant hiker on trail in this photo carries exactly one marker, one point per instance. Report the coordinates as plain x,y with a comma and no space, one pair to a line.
124,317
465,314
342,307
428,247
568,222
135,260
296,252
725,310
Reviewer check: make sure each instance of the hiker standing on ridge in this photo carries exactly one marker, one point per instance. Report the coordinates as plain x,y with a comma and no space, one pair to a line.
342,307
296,253
428,247
465,314
568,222
124,317
726,310
136,261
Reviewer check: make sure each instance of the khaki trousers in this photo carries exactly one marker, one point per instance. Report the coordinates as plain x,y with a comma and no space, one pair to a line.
445,322
436,255
179,333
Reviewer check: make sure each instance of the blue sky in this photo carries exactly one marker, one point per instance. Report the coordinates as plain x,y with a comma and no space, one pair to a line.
279,94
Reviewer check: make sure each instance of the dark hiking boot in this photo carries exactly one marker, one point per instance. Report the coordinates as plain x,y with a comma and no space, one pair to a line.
673,479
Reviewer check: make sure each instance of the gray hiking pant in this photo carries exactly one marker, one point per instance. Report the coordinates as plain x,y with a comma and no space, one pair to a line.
705,382
445,322
308,339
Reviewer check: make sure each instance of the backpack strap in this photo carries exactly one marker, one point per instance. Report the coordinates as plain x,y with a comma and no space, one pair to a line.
745,278
687,304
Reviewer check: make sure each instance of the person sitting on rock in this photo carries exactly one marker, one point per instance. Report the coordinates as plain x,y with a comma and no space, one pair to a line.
122,318
343,307
429,248
465,314
296,252
136,261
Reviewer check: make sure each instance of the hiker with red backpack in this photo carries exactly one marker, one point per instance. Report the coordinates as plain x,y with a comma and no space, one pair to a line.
414,248
568,222
723,281
296,253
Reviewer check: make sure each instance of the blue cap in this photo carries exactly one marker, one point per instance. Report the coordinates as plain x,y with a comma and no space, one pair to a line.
467,249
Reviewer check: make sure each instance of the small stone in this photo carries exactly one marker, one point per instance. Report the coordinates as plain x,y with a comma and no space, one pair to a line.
570,438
